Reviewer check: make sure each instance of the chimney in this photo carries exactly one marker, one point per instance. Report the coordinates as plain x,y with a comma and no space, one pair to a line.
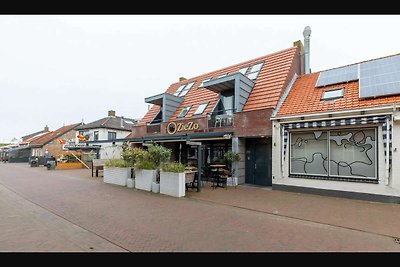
122,122
46,128
299,44
111,113
182,79
307,34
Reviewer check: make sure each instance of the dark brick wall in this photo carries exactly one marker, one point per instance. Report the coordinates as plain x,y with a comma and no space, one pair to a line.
253,123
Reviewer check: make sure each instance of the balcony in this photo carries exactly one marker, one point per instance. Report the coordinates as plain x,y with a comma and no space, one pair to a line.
220,119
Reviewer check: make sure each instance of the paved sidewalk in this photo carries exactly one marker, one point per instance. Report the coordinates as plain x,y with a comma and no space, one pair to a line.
26,227
371,217
61,204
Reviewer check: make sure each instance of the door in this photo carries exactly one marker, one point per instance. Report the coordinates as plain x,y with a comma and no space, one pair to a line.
259,161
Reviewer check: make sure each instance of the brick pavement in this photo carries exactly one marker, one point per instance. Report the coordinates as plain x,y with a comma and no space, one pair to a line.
143,221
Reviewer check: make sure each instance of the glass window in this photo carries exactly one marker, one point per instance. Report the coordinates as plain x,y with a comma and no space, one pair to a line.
179,89
112,135
352,153
244,70
96,135
332,94
253,74
309,153
200,109
184,111
202,83
186,89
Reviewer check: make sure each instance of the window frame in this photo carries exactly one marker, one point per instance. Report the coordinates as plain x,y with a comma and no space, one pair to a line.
336,177
95,133
180,113
332,90
111,132
206,105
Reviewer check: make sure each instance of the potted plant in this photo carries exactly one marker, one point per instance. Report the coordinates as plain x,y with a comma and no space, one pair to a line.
117,171
145,174
158,155
132,155
231,158
172,179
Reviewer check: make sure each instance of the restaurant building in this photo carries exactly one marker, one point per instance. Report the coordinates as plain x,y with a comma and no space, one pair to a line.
226,109
337,132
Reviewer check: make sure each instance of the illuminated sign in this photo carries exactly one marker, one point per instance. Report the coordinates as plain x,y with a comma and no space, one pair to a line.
174,127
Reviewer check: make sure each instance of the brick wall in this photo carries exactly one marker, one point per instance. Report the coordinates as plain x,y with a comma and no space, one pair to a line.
54,147
253,123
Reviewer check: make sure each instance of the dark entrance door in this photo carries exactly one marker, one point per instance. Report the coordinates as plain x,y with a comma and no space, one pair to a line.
259,161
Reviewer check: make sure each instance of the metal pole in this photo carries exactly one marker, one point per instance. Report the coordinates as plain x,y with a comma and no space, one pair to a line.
199,150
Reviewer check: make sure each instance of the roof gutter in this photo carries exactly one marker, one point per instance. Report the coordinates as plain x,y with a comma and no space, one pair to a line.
339,112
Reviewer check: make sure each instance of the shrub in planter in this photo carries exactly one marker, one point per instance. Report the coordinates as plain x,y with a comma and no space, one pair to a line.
145,174
117,171
172,179
232,157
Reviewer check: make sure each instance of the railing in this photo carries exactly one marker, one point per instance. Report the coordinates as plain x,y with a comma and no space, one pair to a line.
153,128
220,118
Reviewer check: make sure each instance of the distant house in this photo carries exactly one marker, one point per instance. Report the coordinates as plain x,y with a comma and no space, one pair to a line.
22,151
106,132
53,141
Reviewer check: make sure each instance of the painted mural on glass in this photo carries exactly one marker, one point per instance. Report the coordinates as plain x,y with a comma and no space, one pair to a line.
351,153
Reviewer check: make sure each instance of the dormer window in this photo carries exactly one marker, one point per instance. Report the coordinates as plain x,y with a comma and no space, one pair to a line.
332,94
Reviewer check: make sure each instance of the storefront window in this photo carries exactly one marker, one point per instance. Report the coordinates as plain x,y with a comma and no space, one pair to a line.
350,153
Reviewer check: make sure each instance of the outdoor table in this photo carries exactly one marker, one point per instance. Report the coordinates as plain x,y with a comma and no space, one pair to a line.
217,181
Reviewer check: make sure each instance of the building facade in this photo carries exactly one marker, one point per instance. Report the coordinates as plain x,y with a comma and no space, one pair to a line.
106,133
337,132
227,109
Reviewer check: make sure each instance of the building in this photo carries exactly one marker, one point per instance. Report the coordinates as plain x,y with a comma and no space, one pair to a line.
226,109
337,131
22,151
53,141
106,133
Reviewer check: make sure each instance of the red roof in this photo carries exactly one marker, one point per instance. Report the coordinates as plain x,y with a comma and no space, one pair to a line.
44,139
304,98
272,78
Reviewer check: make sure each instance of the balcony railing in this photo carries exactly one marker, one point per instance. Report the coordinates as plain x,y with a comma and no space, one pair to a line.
153,128
220,118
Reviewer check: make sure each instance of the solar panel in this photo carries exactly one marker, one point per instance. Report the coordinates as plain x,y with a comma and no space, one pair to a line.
339,75
380,77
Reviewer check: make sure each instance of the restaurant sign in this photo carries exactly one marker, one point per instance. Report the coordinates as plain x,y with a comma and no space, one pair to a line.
174,127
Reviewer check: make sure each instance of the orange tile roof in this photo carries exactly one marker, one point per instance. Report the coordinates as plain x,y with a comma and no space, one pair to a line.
266,92
44,139
304,98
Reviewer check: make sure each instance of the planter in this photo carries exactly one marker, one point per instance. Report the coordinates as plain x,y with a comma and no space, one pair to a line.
118,176
130,183
144,179
232,181
172,184
155,187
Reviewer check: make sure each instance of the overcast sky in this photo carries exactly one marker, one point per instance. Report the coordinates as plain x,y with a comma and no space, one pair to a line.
57,70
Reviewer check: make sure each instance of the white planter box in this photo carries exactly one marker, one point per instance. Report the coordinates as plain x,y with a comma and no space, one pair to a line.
118,176
155,187
172,184
232,181
144,179
130,183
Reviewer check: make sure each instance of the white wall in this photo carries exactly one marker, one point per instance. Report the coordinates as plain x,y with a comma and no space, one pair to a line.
386,186
103,133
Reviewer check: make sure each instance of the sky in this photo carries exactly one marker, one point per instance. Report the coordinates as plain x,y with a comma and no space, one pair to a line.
57,70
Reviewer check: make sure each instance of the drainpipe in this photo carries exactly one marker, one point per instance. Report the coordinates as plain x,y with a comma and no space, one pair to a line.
307,34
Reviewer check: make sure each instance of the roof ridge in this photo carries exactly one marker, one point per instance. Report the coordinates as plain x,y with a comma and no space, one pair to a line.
360,62
235,65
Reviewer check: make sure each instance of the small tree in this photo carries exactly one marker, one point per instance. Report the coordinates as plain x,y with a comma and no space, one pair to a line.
231,157
158,155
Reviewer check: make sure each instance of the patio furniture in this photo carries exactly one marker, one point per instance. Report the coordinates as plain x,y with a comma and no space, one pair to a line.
97,165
